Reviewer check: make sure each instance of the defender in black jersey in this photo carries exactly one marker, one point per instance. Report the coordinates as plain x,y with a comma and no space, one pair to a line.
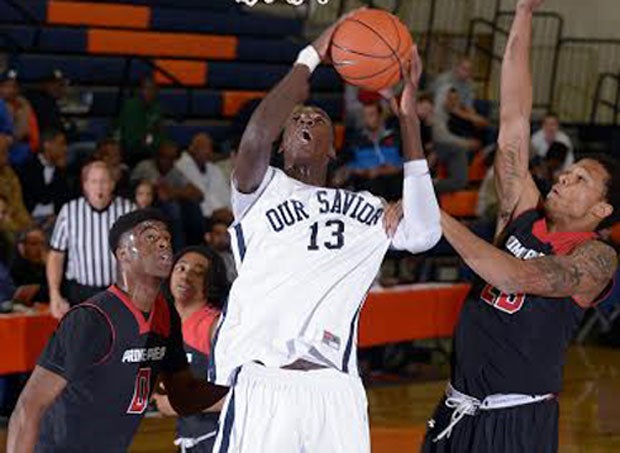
199,287
548,267
94,380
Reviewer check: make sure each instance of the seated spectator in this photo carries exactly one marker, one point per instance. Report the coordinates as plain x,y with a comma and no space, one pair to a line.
548,134
375,163
178,198
218,239
140,123
109,151
17,217
144,194
196,166
25,126
44,99
46,178
28,267
451,150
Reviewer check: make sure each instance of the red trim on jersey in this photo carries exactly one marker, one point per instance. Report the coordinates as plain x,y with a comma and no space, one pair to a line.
112,329
563,243
196,329
159,318
108,320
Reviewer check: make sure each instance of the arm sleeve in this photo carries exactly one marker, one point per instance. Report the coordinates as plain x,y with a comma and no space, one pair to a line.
419,230
175,359
81,340
241,202
60,237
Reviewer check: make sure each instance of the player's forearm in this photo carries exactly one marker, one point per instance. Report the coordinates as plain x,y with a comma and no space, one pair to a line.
265,126
54,271
421,218
196,396
411,137
23,430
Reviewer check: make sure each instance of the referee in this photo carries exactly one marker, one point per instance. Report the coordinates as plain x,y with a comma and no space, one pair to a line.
79,237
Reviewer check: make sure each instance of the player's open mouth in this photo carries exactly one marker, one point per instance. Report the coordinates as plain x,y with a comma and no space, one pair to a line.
305,135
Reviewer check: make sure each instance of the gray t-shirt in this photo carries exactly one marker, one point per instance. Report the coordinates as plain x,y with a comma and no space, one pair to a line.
147,169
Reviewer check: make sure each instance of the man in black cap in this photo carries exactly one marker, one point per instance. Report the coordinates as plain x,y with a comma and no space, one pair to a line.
94,380
44,100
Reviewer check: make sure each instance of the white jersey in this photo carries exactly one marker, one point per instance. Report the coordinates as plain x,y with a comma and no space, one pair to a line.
306,258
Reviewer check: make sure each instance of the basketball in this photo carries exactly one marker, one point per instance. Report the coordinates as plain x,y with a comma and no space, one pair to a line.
370,49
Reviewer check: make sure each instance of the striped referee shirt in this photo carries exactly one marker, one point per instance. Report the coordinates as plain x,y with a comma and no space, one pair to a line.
81,232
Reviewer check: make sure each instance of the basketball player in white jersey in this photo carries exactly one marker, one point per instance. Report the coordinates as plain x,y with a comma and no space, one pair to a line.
307,255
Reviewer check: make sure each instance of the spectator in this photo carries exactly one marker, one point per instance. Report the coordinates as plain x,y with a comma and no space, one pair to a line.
548,134
140,123
459,78
44,101
545,169
218,239
196,166
25,126
80,238
46,178
17,217
452,151
144,194
109,151
177,197
375,162
28,267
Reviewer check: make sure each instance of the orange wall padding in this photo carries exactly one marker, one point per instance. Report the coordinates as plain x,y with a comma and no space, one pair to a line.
477,169
188,72
615,233
339,136
101,14
233,101
460,204
156,44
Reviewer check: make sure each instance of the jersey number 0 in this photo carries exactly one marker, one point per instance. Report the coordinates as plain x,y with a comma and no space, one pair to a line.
336,227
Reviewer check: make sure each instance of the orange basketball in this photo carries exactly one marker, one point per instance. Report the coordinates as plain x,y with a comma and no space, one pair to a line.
370,49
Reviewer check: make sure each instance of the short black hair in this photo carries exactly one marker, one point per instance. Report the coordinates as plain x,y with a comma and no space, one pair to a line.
557,151
128,221
551,114
612,196
50,134
215,280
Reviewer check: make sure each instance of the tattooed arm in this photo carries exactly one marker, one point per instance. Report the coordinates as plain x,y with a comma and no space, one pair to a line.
583,274
516,189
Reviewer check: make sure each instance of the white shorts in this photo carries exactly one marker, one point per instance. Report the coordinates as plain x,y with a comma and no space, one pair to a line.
271,410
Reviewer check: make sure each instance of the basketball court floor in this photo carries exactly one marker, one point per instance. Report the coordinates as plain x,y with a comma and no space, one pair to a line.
589,423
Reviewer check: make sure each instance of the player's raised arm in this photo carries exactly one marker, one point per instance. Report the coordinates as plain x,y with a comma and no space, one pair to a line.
419,229
269,117
516,189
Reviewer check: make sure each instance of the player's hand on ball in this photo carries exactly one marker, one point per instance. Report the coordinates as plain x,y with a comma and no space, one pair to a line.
412,81
392,216
322,43
530,4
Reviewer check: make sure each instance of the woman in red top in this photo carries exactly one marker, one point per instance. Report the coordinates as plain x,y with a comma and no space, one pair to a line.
199,288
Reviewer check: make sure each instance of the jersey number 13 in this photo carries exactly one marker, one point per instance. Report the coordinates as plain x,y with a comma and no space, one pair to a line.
335,228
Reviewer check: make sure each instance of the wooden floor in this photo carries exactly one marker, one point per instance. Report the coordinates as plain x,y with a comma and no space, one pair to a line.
589,422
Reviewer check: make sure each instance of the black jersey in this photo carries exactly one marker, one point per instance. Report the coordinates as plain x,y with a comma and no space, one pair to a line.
104,400
516,343
197,344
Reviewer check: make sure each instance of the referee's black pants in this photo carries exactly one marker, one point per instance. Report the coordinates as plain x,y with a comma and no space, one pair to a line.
531,428
77,293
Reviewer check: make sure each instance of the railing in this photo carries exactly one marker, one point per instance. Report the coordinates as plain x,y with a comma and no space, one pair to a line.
599,101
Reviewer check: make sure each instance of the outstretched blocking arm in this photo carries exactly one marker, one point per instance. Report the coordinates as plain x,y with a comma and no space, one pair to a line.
516,189
419,229
582,275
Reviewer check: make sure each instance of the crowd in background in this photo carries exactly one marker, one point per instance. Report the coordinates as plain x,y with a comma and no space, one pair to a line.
43,161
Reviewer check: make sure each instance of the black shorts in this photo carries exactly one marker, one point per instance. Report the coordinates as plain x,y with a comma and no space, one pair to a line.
531,428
